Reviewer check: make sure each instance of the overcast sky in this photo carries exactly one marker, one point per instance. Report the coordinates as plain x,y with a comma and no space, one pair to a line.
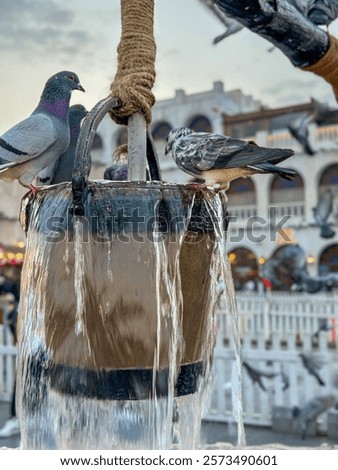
41,37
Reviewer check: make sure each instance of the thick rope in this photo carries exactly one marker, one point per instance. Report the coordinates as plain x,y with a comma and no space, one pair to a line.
135,74
327,66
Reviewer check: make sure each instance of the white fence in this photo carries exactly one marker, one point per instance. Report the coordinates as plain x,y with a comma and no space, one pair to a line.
8,354
274,330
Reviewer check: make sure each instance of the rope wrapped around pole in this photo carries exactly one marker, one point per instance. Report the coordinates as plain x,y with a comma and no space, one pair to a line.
135,74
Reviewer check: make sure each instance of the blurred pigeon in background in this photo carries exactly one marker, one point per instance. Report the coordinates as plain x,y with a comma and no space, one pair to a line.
322,212
324,325
119,172
116,172
61,170
219,159
300,131
257,375
36,142
312,366
322,112
232,25
319,12
311,410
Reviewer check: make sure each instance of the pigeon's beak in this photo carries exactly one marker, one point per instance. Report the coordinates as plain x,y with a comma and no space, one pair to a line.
80,87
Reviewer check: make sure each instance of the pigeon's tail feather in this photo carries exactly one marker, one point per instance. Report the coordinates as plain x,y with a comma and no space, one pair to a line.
286,173
309,150
326,231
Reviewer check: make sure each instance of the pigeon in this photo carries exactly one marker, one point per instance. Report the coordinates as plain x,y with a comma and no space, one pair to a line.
119,172
257,375
322,212
310,411
219,159
311,365
322,112
40,139
61,170
300,131
232,25
324,325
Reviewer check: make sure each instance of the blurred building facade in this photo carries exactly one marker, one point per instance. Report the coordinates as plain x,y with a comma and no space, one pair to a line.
267,212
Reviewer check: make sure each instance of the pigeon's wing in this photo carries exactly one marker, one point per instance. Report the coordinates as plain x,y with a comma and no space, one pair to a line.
324,206
27,139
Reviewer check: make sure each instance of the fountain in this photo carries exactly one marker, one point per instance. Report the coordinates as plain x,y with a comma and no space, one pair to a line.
119,289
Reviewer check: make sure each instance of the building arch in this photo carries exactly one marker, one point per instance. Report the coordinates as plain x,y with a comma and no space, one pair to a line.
200,123
244,268
328,260
287,196
161,130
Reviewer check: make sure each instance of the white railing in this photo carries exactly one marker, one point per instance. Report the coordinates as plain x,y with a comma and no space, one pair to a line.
8,354
242,212
274,329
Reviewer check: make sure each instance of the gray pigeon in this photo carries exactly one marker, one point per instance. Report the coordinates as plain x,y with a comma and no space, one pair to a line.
322,212
310,411
300,131
119,172
219,159
257,375
61,170
312,366
322,112
36,142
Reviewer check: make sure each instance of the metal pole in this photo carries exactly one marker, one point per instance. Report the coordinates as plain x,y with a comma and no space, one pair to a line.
137,147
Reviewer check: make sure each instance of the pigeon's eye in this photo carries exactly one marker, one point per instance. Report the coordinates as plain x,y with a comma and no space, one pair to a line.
71,77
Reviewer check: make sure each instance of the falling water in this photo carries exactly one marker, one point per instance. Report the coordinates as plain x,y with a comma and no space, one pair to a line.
109,321
216,211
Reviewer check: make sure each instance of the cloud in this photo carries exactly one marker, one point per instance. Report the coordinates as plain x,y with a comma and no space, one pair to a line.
40,26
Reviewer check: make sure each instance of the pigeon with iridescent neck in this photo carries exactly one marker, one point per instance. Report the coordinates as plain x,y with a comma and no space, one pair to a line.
62,169
218,159
39,140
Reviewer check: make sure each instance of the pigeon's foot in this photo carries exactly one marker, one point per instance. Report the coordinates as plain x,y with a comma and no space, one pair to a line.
33,189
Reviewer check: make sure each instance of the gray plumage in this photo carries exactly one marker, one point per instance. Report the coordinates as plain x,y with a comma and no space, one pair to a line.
118,172
257,375
312,366
61,170
310,411
232,25
37,141
322,212
300,131
322,112
219,159
319,12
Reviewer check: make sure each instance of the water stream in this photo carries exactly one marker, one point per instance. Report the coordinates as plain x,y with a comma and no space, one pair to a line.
110,314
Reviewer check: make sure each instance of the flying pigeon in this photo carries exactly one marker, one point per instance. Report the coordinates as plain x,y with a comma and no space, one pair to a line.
257,375
322,112
232,25
61,170
322,212
311,365
311,410
300,131
219,159
37,141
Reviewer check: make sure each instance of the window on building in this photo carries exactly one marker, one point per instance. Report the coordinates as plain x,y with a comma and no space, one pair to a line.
285,191
328,260
160,131
329,180
244,268
241,192
200,124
